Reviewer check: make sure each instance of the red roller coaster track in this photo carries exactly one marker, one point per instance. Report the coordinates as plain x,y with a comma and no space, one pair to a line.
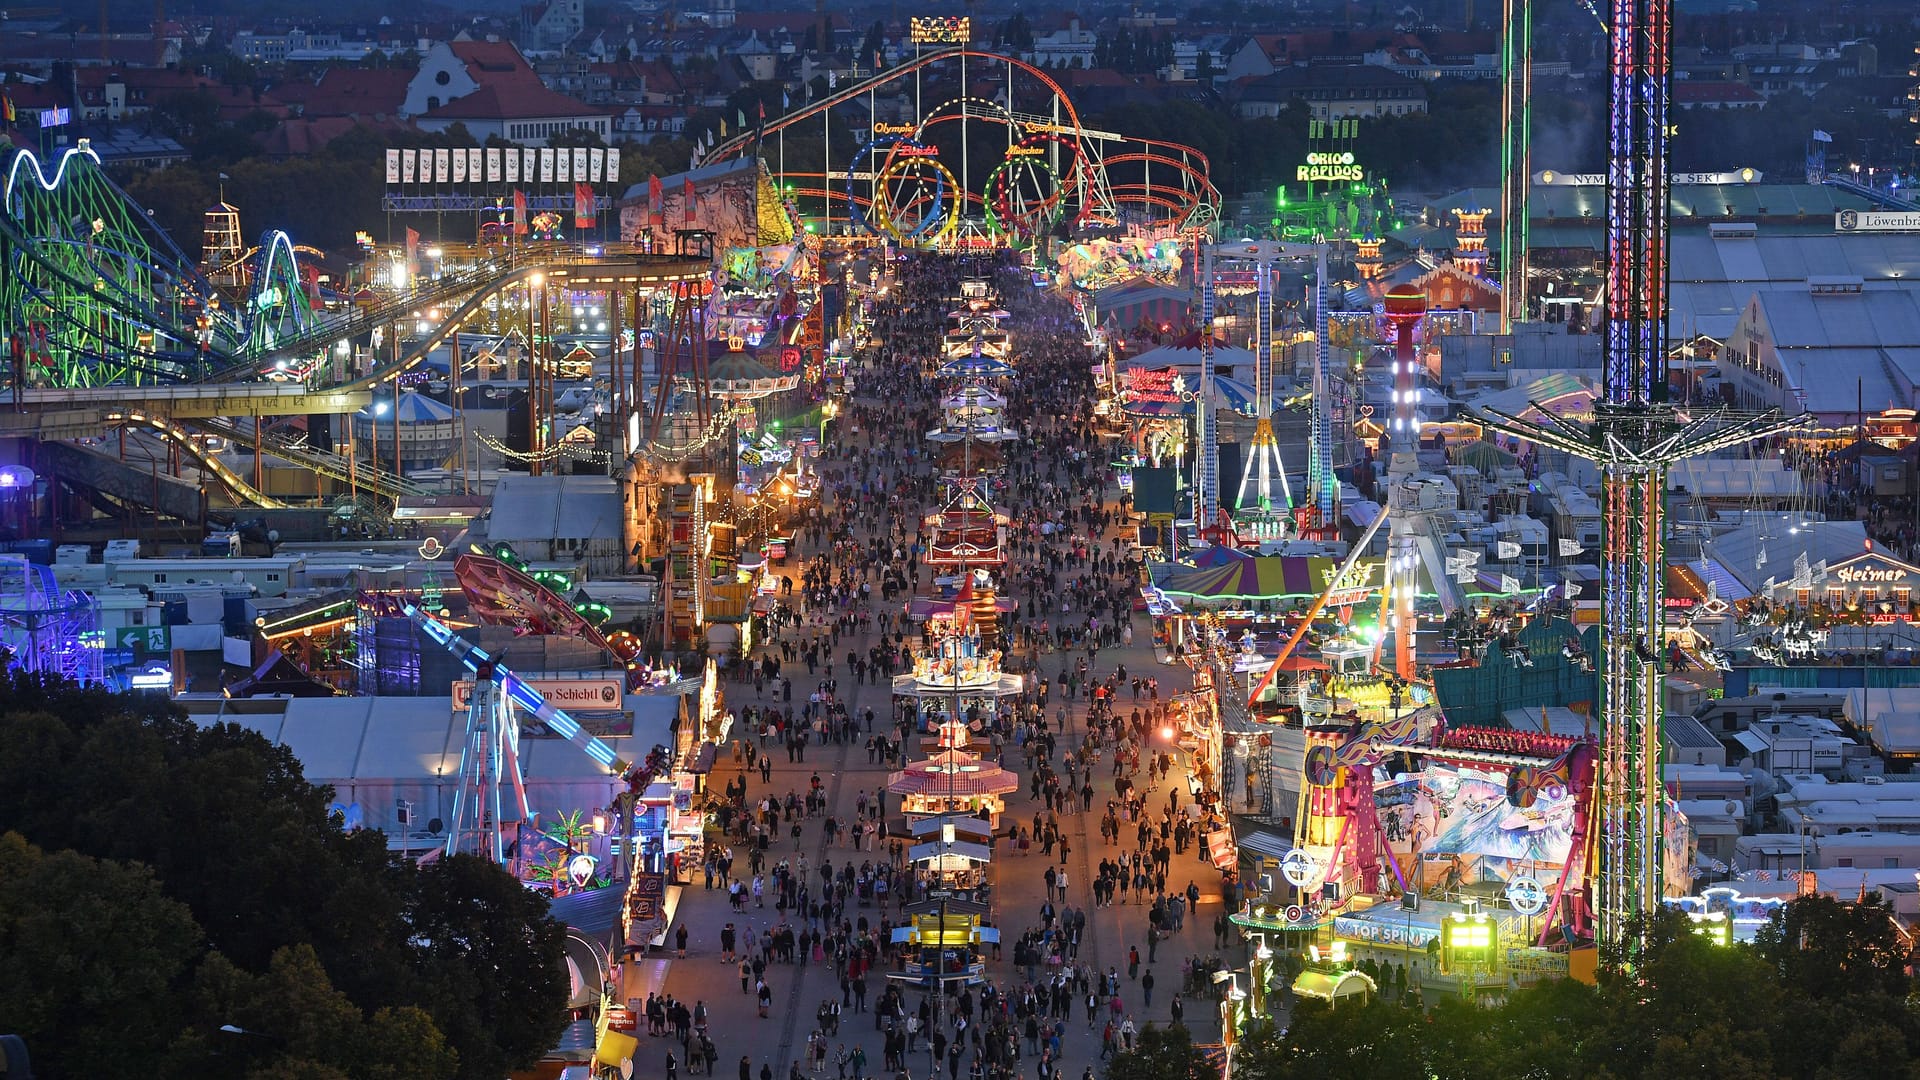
1173,155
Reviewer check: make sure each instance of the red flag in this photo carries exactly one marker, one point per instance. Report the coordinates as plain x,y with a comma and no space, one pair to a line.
656,201
763,112
413,253
687,195
583,215
519,213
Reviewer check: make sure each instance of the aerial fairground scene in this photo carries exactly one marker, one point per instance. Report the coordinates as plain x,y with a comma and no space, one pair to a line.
595,539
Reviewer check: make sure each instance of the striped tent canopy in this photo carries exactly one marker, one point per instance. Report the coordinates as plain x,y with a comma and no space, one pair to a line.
415,408
974,365
1266,577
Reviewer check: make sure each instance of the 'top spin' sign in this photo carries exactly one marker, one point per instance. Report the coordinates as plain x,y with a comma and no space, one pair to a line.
1329,167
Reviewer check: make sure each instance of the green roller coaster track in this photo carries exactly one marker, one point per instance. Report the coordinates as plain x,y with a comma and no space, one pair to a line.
95,294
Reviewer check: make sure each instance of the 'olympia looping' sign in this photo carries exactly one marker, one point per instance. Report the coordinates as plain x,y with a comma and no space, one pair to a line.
1329,167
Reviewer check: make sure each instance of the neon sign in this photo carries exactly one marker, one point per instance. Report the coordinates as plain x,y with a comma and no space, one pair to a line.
1025,151
892,129
1164,385
940,30
1861,574
1329,167
916,151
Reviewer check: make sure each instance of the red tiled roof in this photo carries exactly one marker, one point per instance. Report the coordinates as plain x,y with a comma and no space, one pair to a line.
304,135
490,58
349,92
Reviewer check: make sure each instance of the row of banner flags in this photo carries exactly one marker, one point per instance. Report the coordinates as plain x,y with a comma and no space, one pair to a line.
1463,566
509,165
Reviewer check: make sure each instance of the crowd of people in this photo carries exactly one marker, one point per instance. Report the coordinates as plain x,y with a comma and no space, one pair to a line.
1088,755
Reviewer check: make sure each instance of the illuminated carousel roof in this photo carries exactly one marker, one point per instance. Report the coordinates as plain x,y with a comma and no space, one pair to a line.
740,374
959,457
952,772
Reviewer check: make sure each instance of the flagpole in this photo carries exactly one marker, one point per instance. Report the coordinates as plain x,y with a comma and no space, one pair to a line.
826,153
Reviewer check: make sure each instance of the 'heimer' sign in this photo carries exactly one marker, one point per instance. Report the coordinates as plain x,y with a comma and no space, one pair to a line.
1329,167
1869,575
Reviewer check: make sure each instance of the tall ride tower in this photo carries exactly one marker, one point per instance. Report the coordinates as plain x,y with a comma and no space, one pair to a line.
1405,305
1516,156
1322,506
1634,436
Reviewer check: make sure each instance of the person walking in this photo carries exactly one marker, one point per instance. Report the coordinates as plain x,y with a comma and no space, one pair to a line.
1146,987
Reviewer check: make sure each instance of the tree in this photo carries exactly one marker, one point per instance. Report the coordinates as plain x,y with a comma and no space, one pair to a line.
1688,1008
1832,950
1162,1054
92,954
304,1023
500,998
229,830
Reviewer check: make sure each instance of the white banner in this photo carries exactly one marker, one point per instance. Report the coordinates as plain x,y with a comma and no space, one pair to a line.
1509,585
459,166
409,165
563,168
1876,221
613,164
442,166
476,163
530,165
1506,549
599,160
493,165
580,163
393,166
1570,548
513,165
546,165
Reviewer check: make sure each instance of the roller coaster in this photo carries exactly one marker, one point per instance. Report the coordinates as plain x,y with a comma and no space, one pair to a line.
98,296
914,182
99,301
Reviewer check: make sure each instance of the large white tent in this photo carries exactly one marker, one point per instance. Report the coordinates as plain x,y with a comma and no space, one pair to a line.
377,752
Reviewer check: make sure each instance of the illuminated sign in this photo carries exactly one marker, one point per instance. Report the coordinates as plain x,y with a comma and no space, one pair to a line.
789,359
58,116
940,30
1329,167
1025,151
1405,934
916,151
893,129
1877,221
1866,575
1731,176
432,548
591,694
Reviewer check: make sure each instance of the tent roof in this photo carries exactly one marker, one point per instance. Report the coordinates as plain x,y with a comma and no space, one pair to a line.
1332,985
1261,577
415,408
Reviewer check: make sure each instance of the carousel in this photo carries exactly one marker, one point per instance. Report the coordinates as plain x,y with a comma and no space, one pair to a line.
953,782
963,666
972,412
967,531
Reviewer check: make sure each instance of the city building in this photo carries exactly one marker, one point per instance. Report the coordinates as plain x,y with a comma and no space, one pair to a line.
490,89
1331,92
